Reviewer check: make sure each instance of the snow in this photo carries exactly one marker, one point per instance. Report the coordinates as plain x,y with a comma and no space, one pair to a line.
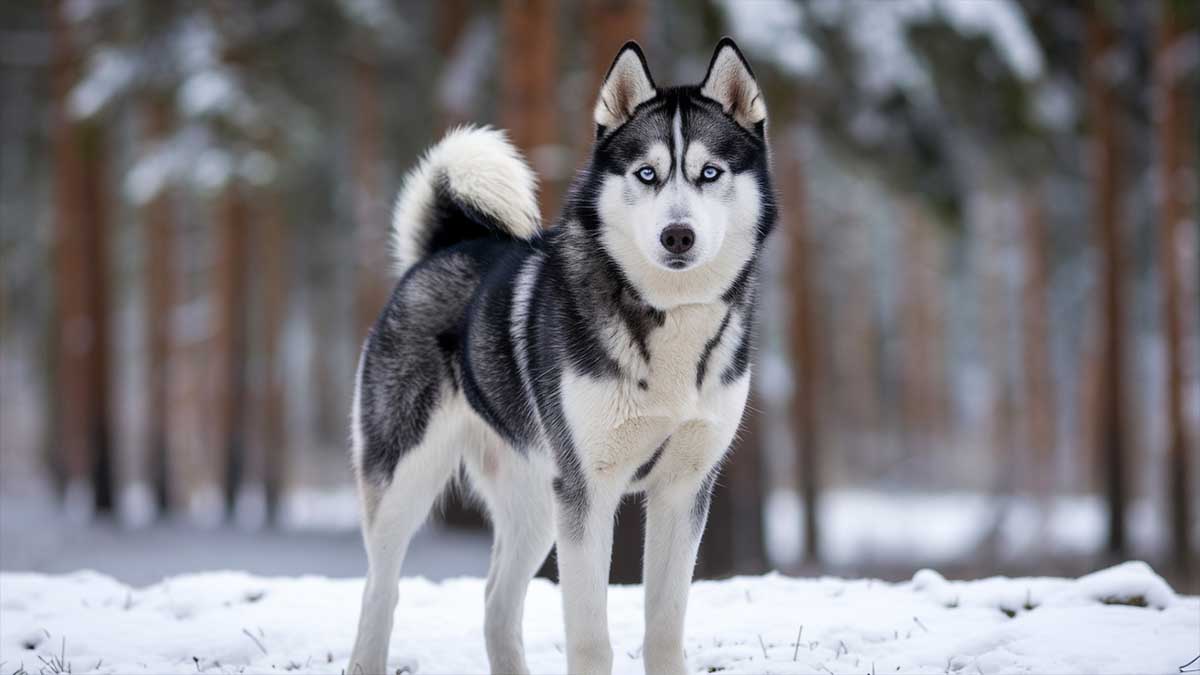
468,67
1004,23
208,92
774,29
233,622
110,72
878,32
865,525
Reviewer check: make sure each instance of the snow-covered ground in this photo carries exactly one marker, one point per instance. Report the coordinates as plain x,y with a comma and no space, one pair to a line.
1121,620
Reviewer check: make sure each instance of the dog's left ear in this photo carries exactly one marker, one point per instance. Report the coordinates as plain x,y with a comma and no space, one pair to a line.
731,83
626,86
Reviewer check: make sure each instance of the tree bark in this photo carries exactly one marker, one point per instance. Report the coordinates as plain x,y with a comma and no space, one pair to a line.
803,349
81,285
372,226
159,228
733,541
452,17
1040,402
1172,125
529,105
229,339
1107,187
610,24
273,248
923,377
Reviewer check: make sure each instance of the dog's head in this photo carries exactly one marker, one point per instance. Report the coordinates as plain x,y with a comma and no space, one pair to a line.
680,182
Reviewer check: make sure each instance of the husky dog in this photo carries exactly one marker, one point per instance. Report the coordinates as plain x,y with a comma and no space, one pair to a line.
565,368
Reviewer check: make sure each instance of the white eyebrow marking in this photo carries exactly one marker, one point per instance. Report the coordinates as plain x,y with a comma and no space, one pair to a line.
677,130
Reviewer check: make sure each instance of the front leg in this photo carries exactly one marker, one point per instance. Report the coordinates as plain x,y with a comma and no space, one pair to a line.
676,511
585,511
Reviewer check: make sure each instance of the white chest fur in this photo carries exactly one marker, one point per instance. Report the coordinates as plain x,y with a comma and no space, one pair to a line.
617,423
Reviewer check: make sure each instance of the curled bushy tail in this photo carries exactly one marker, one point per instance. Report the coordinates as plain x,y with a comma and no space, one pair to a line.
472,184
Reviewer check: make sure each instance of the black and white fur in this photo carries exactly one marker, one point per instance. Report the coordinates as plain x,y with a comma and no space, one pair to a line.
568,367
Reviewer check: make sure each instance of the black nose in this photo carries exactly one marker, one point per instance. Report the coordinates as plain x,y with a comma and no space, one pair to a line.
677,238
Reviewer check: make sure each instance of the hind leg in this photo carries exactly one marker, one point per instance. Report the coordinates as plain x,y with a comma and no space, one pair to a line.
393,514
516,490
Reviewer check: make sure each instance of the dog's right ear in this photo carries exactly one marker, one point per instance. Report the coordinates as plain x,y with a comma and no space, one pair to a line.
626,86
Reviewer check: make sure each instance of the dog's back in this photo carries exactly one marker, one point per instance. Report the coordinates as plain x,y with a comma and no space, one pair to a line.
469,205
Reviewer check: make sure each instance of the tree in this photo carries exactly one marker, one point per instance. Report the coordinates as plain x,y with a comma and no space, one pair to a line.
528,100
373,270
268,455
1172,123
451,19
228,344
81,284
158,226
922,328
1038,380
1102,114
803,336
1039,396
610,24
733,540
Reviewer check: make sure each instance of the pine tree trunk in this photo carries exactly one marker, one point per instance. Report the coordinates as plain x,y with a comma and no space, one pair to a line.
1173,123
159,285
229,340
803,348
81,286
273,248
923,378
997,316
529,104
1107,187
610,24
1039,400
452,17
371,222
733,540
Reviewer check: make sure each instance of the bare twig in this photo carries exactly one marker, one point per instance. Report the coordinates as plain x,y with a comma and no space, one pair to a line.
256,640
796,652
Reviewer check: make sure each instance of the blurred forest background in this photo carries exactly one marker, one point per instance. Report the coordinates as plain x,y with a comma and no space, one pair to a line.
980,329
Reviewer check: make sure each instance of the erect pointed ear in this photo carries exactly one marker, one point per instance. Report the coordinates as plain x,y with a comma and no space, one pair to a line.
731,83
626,86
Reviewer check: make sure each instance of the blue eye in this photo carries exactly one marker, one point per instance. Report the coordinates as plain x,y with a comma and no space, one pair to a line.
646,175
710,173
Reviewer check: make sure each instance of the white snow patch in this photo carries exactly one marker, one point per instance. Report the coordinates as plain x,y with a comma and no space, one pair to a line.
208,91
320,510
468,67
864,525
233,622
110,71
774,29
157,167
137,505
1130,583
878,31
1003,21
213,169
